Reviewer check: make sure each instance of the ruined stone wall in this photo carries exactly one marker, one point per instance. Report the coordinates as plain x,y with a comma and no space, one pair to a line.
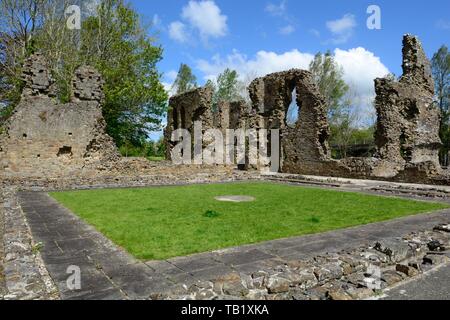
407,132
306,144
46,138
187,108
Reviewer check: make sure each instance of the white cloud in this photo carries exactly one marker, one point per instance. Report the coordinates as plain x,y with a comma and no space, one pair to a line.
342,29
287,30
360,68
263,63
206,17
178,31
276,10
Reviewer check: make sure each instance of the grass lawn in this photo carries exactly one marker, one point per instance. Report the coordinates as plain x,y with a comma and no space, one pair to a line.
164,222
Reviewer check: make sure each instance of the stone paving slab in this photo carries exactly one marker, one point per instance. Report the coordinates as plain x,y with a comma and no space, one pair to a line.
108,272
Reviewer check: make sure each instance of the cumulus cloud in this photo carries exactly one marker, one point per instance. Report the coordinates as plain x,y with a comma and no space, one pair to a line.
342,29
360,68
178,31
204,17
263,63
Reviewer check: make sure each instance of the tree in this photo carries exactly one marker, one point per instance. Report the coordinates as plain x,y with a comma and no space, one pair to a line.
441,73
19,20
343,129
440,64
227,86
117,45
185,80
112,39
329,78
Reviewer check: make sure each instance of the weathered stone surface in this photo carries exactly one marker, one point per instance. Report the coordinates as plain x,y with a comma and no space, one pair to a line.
435,245
305,145
408,270
407,127
44,138
391,277
278,284
434,259
234,288
395,250
186,109
443,227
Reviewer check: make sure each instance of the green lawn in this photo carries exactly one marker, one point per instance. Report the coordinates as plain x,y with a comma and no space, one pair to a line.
163,222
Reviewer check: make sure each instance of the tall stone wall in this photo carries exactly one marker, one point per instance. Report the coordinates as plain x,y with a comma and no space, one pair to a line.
407,132
46,138
304,146
187,108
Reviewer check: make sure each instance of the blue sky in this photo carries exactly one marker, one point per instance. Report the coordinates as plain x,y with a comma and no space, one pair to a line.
251,27
261,36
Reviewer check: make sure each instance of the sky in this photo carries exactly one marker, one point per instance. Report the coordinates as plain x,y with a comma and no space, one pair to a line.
257,37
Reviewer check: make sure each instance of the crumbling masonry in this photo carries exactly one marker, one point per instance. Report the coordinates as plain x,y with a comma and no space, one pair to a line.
46,138
407,130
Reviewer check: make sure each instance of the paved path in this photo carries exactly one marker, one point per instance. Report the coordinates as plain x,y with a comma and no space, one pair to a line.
107,272
434,285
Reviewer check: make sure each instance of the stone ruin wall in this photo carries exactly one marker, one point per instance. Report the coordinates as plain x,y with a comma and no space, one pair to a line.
407,132
407,129
46,138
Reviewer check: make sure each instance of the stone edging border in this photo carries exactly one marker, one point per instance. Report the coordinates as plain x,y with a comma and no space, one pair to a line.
360,273
26,276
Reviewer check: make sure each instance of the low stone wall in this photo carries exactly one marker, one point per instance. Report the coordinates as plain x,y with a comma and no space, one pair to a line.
347,275
133,173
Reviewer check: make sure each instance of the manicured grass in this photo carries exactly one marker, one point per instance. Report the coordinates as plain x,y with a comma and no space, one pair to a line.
163,222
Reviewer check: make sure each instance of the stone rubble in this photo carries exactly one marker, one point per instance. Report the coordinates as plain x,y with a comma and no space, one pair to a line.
345,275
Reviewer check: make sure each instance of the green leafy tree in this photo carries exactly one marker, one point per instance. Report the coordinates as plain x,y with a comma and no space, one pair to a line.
185,80
112,39
117,45
227,86
19,20
339,101
441,73
329,78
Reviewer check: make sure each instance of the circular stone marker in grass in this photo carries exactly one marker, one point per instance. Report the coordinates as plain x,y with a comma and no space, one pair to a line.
235,198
